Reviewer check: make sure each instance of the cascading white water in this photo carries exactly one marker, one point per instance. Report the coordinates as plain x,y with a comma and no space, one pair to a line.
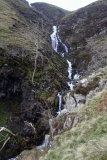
66,49
54,38
69,69
76,76
70,85
60,103
69,75
45,142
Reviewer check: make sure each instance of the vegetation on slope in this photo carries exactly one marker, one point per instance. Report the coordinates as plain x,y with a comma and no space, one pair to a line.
23,103
86,138
53,13
22,30
85,32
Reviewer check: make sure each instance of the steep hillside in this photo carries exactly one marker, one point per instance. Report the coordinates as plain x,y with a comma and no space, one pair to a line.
30,75
33,75
53,13
82,133
21,24
85,31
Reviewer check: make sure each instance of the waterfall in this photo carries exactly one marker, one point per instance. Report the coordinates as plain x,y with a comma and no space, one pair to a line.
54,38
65,47
69,69
70,84
76,76
55,43
60,103
45,143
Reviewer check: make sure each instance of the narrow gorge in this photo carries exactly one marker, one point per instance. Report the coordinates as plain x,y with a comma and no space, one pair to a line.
53,81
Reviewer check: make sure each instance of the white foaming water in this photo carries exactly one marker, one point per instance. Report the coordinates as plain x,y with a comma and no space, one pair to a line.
45,142
69,69
60,103
69,75
76,76
66,49
54,38
70,85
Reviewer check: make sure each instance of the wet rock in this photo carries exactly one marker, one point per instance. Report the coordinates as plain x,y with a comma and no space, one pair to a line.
84,82
102,84
69,102
2,95
76,120
68,123
80,99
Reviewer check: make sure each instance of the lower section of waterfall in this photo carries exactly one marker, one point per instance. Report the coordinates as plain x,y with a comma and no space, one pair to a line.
46,142
70,75
60,103
56,42
70,84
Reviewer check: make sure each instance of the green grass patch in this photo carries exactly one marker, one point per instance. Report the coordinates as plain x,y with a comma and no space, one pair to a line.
88,140
4,114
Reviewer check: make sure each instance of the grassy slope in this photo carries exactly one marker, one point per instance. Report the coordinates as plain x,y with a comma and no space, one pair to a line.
84,30
20,25
88,139
52,12
8,18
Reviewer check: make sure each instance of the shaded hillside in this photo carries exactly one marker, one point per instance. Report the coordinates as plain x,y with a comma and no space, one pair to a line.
53,13
85,31
30,75
80,133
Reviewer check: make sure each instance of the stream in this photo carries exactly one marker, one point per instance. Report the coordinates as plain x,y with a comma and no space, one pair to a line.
71,78
55,43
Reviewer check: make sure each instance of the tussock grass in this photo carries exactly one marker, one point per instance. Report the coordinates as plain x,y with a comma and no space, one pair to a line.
88,139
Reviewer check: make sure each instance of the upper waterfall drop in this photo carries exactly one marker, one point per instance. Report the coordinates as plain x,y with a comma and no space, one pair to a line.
54,38
56,41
